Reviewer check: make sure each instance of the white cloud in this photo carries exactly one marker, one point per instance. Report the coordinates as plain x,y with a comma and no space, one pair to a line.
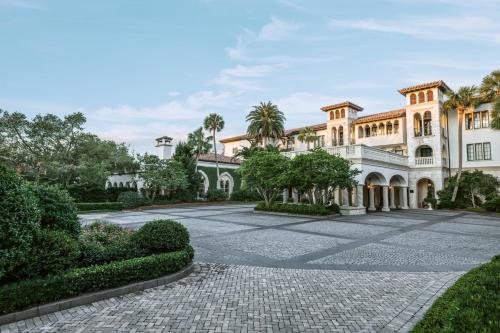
440,28
278,29
239,52
244,77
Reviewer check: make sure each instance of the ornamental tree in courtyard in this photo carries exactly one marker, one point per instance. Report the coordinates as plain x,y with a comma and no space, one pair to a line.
319,172
265,172
159,175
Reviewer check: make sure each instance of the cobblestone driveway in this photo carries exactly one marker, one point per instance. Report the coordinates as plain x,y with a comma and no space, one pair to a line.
260,272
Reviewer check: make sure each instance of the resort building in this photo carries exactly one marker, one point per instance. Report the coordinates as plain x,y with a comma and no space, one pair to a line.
402,154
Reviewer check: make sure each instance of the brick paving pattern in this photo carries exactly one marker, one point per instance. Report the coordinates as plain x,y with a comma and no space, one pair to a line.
265,273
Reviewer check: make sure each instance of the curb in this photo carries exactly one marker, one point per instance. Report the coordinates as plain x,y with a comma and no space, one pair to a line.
84,299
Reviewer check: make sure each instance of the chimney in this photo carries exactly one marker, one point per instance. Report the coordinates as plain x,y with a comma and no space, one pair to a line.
164,147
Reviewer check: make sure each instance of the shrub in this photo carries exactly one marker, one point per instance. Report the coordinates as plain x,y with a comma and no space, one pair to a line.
244,194
333,207
131,199
52,252
446,203
57,208
161,236
294,208
19,220
90,206
470,305
216,195
103,242
492,203
18,296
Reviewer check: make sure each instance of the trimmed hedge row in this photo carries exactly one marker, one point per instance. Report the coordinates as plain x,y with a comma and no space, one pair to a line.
88,206
21,295
470,305
294,208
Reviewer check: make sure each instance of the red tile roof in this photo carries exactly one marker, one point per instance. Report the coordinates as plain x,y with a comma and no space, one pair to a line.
381,116
342,105
439,84
221,158
235,138
317,127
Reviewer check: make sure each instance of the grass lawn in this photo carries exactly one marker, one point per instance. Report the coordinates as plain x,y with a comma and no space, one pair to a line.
472,304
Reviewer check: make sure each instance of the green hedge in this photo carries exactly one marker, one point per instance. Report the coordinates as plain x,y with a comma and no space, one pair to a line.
21,295
472,304
294,208
88,206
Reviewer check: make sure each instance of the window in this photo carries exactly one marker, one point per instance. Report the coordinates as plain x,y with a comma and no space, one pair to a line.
468,121
413,99
389,128
374,130
421,97
479,151
396,127
427,123
367,131
381,129
430,95
470,152
477,120
342,113
417,124
235,150
341,136
487,150
337,114
425,152
332,116
485,119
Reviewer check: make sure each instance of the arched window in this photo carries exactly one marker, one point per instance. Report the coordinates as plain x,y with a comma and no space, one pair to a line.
337,114
381,129
388,128
134,184
121,185
341,136
108,185
421,97
342,113
332,116
427,123
115,184
367,131
226,183
374,130
417,124
430,96
127,184
413,99
423,151
334,136
360,132
396,127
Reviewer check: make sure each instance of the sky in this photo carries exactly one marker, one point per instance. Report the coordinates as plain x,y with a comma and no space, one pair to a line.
142,69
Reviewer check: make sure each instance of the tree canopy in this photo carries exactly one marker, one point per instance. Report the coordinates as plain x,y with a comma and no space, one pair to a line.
490,89
307,135
266,122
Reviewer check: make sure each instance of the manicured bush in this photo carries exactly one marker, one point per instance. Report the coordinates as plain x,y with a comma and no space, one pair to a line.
492,203
216,195
470,305
333,207
103,242
19,220
245,194
131,199
161,236
90,206
57,208
52,252
18,296
294,208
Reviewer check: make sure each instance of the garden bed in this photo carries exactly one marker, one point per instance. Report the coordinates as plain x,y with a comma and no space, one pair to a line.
300,209
470,305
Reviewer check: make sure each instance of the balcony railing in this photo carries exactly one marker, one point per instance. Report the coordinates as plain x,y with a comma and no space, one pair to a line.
360,151
424,161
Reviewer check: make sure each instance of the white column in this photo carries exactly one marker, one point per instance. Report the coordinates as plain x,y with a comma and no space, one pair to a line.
385,200
359,195
324,197
345,197
404,189
371,197
400,197
295,195
392,202
336,196
285,196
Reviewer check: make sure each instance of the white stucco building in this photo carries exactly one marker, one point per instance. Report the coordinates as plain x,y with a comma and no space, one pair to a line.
403,153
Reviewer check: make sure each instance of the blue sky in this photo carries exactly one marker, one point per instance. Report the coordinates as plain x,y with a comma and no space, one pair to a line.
143,69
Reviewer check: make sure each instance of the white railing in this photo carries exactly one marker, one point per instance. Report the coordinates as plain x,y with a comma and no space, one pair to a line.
359,151
424,161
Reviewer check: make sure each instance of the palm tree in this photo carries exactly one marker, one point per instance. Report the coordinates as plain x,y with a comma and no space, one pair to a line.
266,121
463,99
308,135
214,123
490,89
200,143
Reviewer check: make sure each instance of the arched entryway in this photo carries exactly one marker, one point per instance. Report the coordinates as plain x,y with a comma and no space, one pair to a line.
424,187
398,192
376,184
